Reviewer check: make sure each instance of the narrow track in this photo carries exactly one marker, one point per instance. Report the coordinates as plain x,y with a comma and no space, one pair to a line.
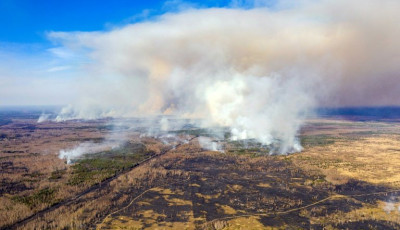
94,187
100,226
336,196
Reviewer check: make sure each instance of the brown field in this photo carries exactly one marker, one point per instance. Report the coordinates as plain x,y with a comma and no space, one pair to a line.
348,176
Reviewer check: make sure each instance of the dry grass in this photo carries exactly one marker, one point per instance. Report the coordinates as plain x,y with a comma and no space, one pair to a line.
371,159
366,152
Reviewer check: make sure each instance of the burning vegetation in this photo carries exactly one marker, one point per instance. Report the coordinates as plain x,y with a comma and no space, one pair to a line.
177,179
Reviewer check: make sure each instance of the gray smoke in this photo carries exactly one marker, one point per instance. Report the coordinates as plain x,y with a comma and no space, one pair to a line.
258,71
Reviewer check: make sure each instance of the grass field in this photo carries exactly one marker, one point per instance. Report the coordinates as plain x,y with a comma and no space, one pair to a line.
347,176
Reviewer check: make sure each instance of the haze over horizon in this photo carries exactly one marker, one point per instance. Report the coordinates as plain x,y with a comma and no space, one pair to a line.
258,67
38,67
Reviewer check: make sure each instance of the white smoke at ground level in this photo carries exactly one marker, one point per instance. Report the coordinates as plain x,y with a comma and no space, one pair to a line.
210,144
85,148
257,71
43,117
390,205
269,109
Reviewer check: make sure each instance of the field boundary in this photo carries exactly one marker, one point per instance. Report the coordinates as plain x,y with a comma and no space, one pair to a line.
336,196
94,187
134,199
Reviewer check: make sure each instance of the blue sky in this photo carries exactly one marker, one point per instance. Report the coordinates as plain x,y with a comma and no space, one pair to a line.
34,70
27,21
41,66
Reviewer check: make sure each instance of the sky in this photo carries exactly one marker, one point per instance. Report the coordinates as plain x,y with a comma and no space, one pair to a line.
47,71
259,67
49,48
27,21
34,70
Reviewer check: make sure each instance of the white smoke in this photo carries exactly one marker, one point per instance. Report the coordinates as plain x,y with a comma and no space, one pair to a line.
258,71
43,117
389,207
122,131
210,144
115,138
85,148
270,109
164,124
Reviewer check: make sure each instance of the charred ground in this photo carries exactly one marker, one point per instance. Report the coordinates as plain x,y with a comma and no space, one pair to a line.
347,177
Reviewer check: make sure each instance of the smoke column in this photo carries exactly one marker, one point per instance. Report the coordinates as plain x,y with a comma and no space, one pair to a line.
257,71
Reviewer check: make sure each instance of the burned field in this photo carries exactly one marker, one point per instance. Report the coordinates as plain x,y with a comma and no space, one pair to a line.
346,177
231,192
219,188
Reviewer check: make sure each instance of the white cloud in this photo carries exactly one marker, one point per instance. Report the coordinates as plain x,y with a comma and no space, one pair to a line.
34,79
256,70
58,68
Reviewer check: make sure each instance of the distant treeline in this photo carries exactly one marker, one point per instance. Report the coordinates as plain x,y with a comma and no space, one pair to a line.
25,112
369,113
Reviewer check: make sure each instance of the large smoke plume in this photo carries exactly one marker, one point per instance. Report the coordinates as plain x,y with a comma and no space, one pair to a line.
258,71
